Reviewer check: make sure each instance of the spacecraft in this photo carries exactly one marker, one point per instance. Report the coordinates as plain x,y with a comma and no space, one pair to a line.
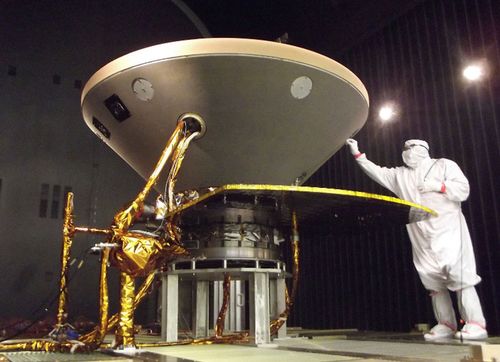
225,132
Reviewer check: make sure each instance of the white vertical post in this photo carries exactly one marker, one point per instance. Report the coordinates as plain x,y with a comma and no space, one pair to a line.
259,307
281,303
169,307
200,308
239,305
273,303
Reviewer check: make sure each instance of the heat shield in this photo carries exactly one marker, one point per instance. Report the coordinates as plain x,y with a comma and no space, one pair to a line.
274,113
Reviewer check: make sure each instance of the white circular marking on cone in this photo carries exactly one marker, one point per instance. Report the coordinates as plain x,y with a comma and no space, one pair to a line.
301,87
143,89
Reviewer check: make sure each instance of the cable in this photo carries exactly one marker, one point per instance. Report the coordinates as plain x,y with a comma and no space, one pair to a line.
461,270
166,191
52,301
430,169
165,188
200,26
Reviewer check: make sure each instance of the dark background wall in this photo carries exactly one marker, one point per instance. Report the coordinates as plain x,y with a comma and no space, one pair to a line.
48,50
365,279
410,52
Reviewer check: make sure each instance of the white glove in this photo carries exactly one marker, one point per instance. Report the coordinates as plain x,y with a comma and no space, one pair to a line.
430,186
353,145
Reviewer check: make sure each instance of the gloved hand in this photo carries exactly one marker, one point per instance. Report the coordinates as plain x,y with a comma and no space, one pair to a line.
430,186
353,145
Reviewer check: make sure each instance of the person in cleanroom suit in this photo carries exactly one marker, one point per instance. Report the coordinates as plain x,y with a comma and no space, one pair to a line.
442,247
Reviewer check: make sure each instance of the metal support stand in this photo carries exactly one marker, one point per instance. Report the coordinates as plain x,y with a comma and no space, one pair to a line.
259,307
263,284
278,302
169,307
200,308
237,306
235,318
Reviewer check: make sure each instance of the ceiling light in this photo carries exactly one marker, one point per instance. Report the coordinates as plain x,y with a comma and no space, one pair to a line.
386,113
473,72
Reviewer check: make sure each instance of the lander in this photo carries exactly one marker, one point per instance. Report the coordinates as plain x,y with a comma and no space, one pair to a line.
239,125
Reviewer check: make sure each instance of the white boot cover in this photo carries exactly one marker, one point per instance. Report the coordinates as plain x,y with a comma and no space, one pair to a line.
445,316
472,313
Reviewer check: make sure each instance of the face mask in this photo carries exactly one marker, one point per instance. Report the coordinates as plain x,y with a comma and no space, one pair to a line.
414,155
409,159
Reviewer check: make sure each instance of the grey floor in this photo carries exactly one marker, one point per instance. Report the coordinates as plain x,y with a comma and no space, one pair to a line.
320,346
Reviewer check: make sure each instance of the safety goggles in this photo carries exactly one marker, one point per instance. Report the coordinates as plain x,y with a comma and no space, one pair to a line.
407,147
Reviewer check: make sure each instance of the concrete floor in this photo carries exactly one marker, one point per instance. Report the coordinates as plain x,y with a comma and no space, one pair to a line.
326,348
315,346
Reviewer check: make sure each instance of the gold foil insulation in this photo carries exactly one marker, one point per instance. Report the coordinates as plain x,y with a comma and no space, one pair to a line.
230,338
170,227
138,254
111,323
125,331
68,232
92,230
125,218
44,346
296,256
103,298
176,165
221,318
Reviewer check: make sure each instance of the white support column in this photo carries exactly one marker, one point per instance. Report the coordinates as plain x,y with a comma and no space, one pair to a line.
169,307
237,320
200,308
273,303
232,311
281,303
259,308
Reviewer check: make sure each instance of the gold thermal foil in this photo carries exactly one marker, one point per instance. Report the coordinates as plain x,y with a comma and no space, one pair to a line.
68,232
111,323
173,250
164,344
296,255
137,254
104,298
125,330
43,346
83,229
172,175
221,318
178,158
171,228
124,219
144,289
68,226
229,338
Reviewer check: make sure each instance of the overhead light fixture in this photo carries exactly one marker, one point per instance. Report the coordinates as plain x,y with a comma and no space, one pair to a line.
387,112
473,72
